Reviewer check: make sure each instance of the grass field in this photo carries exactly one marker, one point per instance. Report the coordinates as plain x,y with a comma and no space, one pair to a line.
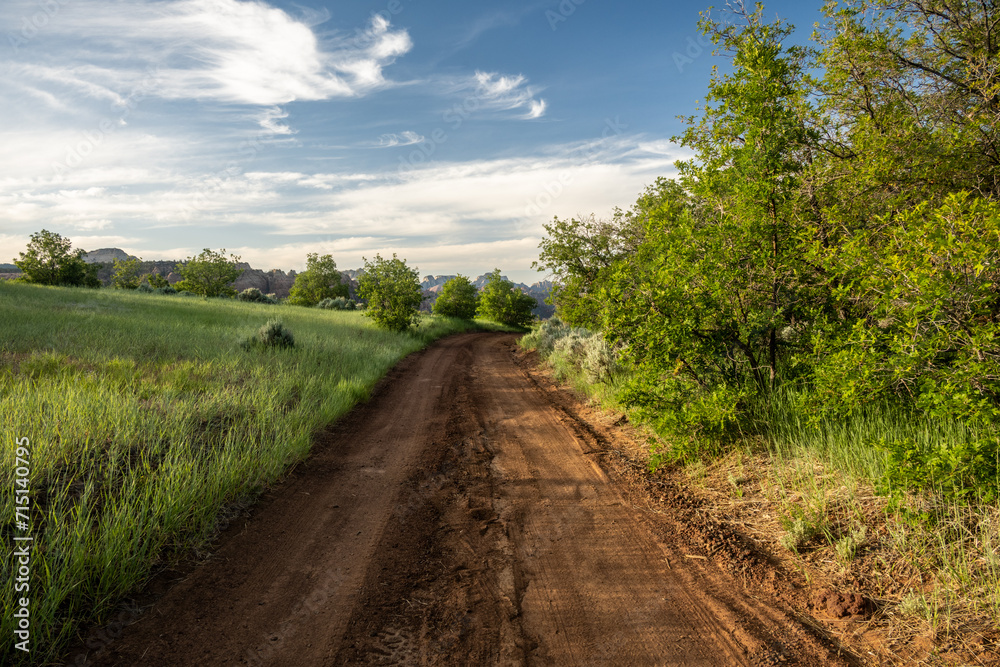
144,418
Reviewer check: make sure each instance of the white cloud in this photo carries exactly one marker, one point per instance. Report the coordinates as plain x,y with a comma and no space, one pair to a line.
269,121
494,86
209,151
494,91
445,218
468,201
537,109
90,81
228,51
406,138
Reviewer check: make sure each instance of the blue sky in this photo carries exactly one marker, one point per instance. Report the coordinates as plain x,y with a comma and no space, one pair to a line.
448,132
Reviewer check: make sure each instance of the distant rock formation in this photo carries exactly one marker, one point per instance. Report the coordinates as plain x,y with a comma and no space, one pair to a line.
542,286
275,281
107,256
430,282
352,274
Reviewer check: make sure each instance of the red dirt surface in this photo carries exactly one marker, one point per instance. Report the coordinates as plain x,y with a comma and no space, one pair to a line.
469,515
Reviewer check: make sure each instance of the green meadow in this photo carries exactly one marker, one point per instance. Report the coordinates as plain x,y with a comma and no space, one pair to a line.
146,420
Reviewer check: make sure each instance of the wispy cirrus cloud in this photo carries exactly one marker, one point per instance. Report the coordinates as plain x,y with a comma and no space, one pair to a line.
205,123
226,51
537,109
497,19
270,121
406,138
505,93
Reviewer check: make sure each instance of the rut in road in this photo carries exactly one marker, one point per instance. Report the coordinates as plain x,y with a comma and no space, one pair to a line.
460,517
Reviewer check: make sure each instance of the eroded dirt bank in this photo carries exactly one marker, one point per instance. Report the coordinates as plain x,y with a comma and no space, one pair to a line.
464,516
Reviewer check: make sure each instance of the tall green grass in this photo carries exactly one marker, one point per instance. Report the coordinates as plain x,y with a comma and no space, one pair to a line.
947,531
146,417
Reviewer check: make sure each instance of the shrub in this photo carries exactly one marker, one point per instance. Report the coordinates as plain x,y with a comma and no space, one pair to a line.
210,274
272,334
571,346
501,302
320,281
543,338
166,289
600,363
459,298
339,303
576,346
797,533
145,288
392,290
848,545
254,295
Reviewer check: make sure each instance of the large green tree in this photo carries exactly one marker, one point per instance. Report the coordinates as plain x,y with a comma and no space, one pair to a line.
126,275
321,280
458,298
210,273
907,176
911,100
392,291
579,253
50,260
502,302
721,287
835,235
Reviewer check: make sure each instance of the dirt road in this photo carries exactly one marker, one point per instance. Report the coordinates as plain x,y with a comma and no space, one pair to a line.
461,517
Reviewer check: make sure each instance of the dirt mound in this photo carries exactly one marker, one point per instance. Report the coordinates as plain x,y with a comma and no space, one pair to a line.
836,604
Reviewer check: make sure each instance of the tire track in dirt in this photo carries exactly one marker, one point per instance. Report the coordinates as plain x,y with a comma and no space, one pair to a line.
599,589
461,517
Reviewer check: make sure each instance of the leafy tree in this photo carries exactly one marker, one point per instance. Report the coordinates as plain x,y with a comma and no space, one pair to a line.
156,281
934,330
392,291
579,253
911,103
458,298
835,237
210,274
501,302
50,260
321,280
126,275
929,342
750,154
711,306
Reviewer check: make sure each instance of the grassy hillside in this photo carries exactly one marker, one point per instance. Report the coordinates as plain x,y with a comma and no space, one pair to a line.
144,417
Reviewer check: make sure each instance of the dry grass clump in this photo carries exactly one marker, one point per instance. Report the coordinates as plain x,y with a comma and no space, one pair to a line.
930,568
